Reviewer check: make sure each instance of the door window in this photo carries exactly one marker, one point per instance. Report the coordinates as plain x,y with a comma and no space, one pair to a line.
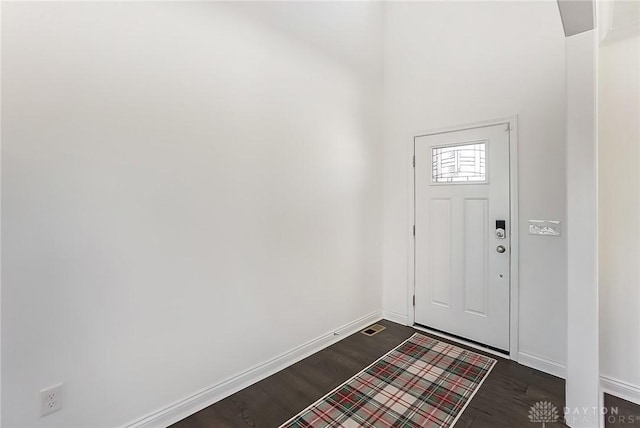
460,163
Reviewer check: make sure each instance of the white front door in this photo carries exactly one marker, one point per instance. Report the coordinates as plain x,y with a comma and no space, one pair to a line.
462,235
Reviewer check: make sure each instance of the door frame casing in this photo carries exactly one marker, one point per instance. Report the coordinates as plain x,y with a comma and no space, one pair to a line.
514,296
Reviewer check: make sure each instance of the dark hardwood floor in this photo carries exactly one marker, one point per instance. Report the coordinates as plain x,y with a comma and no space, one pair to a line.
503,400
626,414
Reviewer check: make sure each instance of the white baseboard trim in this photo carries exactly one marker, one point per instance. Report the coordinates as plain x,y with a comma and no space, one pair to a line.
543,364
395,317
621,389
181,409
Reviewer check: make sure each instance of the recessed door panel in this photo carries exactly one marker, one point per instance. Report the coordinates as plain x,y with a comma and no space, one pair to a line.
475,256
439,248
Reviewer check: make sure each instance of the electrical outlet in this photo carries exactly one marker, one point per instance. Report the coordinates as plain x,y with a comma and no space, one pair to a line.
51,399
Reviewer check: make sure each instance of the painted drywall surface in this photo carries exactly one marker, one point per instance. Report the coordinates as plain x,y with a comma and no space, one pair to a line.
188,189
619,209
583,381
456,63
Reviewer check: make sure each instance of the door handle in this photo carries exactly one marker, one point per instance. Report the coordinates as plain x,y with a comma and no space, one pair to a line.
501,249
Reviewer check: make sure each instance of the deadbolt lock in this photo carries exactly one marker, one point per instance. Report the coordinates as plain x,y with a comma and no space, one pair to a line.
501,229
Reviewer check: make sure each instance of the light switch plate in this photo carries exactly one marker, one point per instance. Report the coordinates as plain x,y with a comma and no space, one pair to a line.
544,227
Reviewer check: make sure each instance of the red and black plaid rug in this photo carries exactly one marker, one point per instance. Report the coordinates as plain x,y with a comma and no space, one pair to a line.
421,383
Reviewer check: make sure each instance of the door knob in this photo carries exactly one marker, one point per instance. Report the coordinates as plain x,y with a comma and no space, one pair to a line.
501,249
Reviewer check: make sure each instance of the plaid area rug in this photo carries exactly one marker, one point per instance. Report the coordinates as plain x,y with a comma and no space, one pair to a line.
421,383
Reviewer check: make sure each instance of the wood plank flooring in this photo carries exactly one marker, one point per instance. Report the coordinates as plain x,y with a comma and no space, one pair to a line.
628,415
503,401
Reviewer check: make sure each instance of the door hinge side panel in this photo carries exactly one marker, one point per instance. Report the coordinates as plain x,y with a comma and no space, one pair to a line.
414,161
414,230
414,300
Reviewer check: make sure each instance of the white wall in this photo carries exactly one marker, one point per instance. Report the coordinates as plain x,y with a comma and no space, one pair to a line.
188,189
449,63
619,211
